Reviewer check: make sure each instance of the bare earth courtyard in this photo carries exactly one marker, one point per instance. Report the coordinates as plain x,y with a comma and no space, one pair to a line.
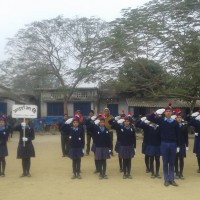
51,177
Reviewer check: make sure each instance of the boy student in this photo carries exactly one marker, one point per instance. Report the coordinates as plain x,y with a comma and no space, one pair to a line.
170,141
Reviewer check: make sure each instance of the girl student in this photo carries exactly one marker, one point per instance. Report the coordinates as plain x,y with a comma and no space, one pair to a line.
153,144
127,139
102,141
4,133
77,143
25,148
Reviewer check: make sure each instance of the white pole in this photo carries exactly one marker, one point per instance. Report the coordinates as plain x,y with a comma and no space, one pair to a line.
24,132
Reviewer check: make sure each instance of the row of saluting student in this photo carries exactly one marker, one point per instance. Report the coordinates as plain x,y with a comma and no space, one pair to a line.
163,135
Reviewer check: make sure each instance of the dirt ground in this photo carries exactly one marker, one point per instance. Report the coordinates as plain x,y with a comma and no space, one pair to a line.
51,177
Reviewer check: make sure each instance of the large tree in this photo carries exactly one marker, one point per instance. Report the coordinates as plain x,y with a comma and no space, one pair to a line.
166,31
64,52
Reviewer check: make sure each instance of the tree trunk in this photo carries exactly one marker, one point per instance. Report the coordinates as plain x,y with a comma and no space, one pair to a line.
193,103
66,104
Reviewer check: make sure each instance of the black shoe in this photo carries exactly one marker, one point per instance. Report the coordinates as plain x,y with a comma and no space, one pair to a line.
105,176
177,176
166,183
73,177
129,176
173,183
124,176
100,177
153,175
79,176
23,175
181,177
157,175
198,170
2,175
147,170
28,175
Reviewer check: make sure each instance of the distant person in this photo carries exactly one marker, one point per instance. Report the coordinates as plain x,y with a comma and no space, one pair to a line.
4,133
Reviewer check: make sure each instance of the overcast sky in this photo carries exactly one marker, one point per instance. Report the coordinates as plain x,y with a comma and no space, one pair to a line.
14,14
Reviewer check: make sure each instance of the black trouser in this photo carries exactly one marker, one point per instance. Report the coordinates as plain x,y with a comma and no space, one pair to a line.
147,162
127,166
102,166
76,165
179,163
65,144
26,164
88,143
157,160
2,165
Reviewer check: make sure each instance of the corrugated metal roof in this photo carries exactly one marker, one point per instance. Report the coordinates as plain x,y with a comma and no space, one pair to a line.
157,103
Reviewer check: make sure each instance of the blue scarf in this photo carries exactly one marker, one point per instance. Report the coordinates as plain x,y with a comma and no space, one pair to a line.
102,128
2,128
170,120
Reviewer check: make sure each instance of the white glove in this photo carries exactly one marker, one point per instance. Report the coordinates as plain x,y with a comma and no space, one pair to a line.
117,118
93,118
135,150
23,124
83,151
146,121
97,121
177,149
195,114
24,139
196,134
160,111
198,117
143,119
69,121
109,151
120,121
187,148
173,116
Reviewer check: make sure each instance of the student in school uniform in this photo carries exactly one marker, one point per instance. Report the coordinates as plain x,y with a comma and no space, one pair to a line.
179,163
102,143
144,145
127,147
194,120
89,131
77,143
25,148
170,141
153,144
4,133
120,120
107,116
64,136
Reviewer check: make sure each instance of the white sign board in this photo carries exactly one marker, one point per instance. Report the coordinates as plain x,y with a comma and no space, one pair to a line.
24,111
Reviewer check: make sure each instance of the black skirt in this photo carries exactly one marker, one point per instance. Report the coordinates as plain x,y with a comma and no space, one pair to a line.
26,151
3,150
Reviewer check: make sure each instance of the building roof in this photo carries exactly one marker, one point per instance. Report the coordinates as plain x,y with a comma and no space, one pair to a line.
157,103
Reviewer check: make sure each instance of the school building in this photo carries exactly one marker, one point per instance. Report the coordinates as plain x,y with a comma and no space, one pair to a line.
50,102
